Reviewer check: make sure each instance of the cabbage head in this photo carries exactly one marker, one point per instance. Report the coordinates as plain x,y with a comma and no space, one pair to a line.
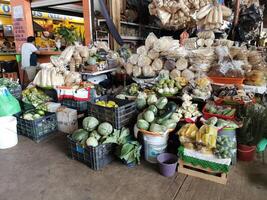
90,123
105,129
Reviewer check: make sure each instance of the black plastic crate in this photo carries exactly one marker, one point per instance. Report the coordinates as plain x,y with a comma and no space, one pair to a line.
38,129
80,106
119,117
94,157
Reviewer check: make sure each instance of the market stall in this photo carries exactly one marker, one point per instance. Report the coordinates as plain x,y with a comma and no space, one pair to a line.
197,100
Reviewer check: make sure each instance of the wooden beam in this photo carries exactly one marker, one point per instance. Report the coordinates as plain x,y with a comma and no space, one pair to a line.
115,14
87,21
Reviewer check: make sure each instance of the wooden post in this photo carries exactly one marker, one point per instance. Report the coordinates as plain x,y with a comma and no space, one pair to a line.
115,14
22,21
87,21
22,25
236,17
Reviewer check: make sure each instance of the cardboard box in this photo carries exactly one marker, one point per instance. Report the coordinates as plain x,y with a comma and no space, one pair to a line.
67,120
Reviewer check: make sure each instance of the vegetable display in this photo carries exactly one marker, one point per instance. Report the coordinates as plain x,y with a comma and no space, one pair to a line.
168,87
225,147
159,117
9,84
95,133
35,97
109,104
188,109
33,115
211,109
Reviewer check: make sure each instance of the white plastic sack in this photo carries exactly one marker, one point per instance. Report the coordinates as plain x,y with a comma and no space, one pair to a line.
8,132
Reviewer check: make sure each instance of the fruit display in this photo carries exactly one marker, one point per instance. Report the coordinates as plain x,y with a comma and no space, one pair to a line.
33,115
168,87
206,138
187,135
159,117
108,104
35,97
224,112
225,147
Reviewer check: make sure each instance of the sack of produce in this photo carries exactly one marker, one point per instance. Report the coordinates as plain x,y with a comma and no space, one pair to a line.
9,105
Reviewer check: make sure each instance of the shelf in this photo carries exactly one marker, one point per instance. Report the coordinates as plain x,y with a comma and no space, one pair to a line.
125,38
132,24
99,72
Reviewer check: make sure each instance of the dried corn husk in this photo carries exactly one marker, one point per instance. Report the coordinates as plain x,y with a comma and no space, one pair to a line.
142,50
188,74
157,64
181,64
143,61
133,59
137,71
129,69
152,54
175,73
150,40
148,71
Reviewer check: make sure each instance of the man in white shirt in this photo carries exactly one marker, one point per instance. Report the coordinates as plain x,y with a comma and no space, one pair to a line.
29,59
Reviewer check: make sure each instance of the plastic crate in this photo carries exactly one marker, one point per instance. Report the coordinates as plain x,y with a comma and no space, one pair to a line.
226,80
77,105
38,129
208,115
94,157
118,117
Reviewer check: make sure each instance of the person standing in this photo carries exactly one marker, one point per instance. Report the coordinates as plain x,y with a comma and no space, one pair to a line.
29,58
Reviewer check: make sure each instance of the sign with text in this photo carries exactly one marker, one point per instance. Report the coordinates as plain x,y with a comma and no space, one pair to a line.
19,27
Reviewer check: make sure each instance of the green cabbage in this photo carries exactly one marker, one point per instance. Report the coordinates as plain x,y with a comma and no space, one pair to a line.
95,135
90,123
151,99
140,103
157,128
169,123
153,108
105,129
91,141
142,124
79,135
162,102
149,116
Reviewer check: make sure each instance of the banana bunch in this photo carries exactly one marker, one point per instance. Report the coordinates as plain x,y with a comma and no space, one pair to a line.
109,104
207,136
188,130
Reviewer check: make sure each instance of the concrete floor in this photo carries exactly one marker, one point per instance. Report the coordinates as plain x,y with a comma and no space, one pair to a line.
42,171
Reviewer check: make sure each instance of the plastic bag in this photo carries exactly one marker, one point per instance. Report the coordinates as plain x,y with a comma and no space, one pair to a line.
9,105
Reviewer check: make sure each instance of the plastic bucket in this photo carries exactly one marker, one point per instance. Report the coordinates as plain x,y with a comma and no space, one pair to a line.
155,145
167,164
231,133
246,153
8,132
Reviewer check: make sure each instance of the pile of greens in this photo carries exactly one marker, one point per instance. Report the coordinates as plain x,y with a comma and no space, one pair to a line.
95,133
9,84
35,97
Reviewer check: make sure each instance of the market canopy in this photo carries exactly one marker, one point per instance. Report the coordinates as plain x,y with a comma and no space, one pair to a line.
66,7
